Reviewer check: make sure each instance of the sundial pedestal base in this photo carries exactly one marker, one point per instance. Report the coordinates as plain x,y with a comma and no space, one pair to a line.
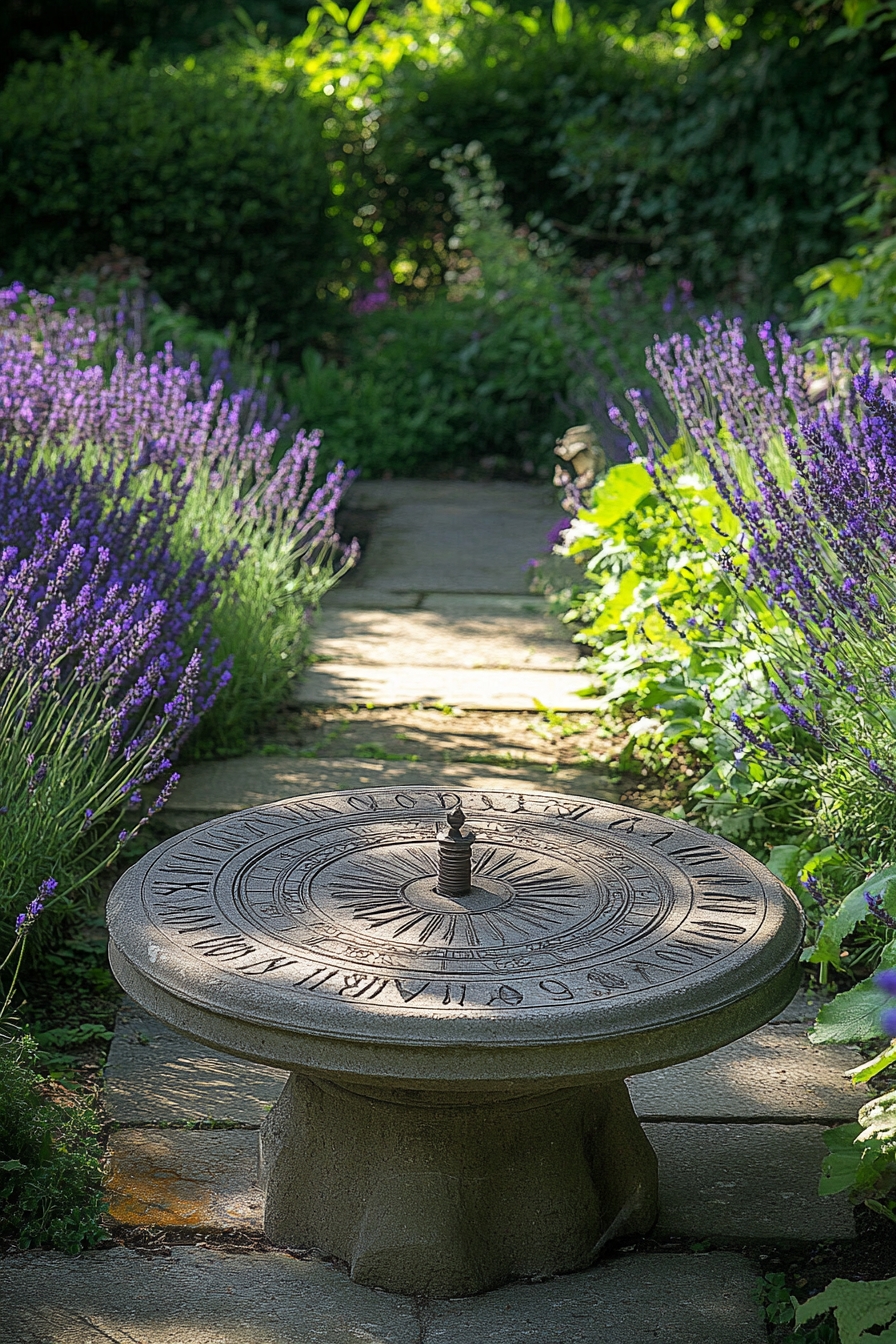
449,1193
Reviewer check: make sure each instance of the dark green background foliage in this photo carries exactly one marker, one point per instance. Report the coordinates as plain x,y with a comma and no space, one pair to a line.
728,167
439,384
39,29
736,177
50,1160
221,188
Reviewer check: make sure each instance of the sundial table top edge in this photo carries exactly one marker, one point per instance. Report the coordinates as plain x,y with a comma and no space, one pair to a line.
319,914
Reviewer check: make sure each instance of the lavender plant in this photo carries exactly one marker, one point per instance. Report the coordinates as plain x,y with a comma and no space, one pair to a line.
804,459
804,463
98,690
249,497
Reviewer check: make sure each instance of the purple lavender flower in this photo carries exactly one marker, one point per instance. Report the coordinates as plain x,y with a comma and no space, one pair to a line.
27,917
100,606
886,980
805,458
876,905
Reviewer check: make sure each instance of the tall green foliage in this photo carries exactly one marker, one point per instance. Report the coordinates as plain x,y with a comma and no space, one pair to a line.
220,186
855,295
50,1160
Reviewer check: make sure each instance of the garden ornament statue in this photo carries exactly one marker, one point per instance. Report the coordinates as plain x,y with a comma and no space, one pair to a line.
585,459
458,1011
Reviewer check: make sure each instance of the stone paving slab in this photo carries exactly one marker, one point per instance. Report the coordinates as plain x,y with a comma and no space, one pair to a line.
187,1178
193,1296
350,683
435,639
803,1008
212,788
154,1074
633,1299
452,536
746,1182
775,1073
726,1182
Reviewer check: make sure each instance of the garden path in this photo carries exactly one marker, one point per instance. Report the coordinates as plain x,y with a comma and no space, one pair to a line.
432,655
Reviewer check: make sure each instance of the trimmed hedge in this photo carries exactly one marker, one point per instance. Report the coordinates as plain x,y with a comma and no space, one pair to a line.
221,187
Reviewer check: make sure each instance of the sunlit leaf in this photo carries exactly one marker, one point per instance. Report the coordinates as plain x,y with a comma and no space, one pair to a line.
561,18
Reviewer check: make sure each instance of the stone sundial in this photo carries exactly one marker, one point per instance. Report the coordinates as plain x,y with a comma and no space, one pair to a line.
458,984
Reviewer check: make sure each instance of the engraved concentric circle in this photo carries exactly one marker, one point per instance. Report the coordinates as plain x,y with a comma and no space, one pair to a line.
324,910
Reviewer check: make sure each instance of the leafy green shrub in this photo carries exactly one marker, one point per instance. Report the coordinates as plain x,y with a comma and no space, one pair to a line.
720,147
478,367
50,1160
663,628
855,295
222,187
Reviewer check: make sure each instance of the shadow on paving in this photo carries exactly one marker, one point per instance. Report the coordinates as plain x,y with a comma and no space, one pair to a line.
202,1296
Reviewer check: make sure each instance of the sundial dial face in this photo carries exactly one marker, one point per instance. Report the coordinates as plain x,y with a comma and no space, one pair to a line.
327,907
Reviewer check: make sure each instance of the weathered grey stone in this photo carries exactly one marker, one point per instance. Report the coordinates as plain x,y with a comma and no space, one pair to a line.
193,1296
458,1046
745,1182
448,640
215,788
419,1192
803,1009
187,1178
346,683
452,536
371,599
775,1073
152,1073
634,1299
502,606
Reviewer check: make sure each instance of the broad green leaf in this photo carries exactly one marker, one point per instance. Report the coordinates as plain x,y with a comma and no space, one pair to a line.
840,1168
874,1066
856,1307
841,1138
852,1016
785,862
621,490
12,1165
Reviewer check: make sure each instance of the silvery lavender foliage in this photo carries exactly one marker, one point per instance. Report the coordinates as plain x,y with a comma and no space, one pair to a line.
806,458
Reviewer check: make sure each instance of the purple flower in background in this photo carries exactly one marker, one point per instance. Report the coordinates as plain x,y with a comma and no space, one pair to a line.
555,535
370,301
